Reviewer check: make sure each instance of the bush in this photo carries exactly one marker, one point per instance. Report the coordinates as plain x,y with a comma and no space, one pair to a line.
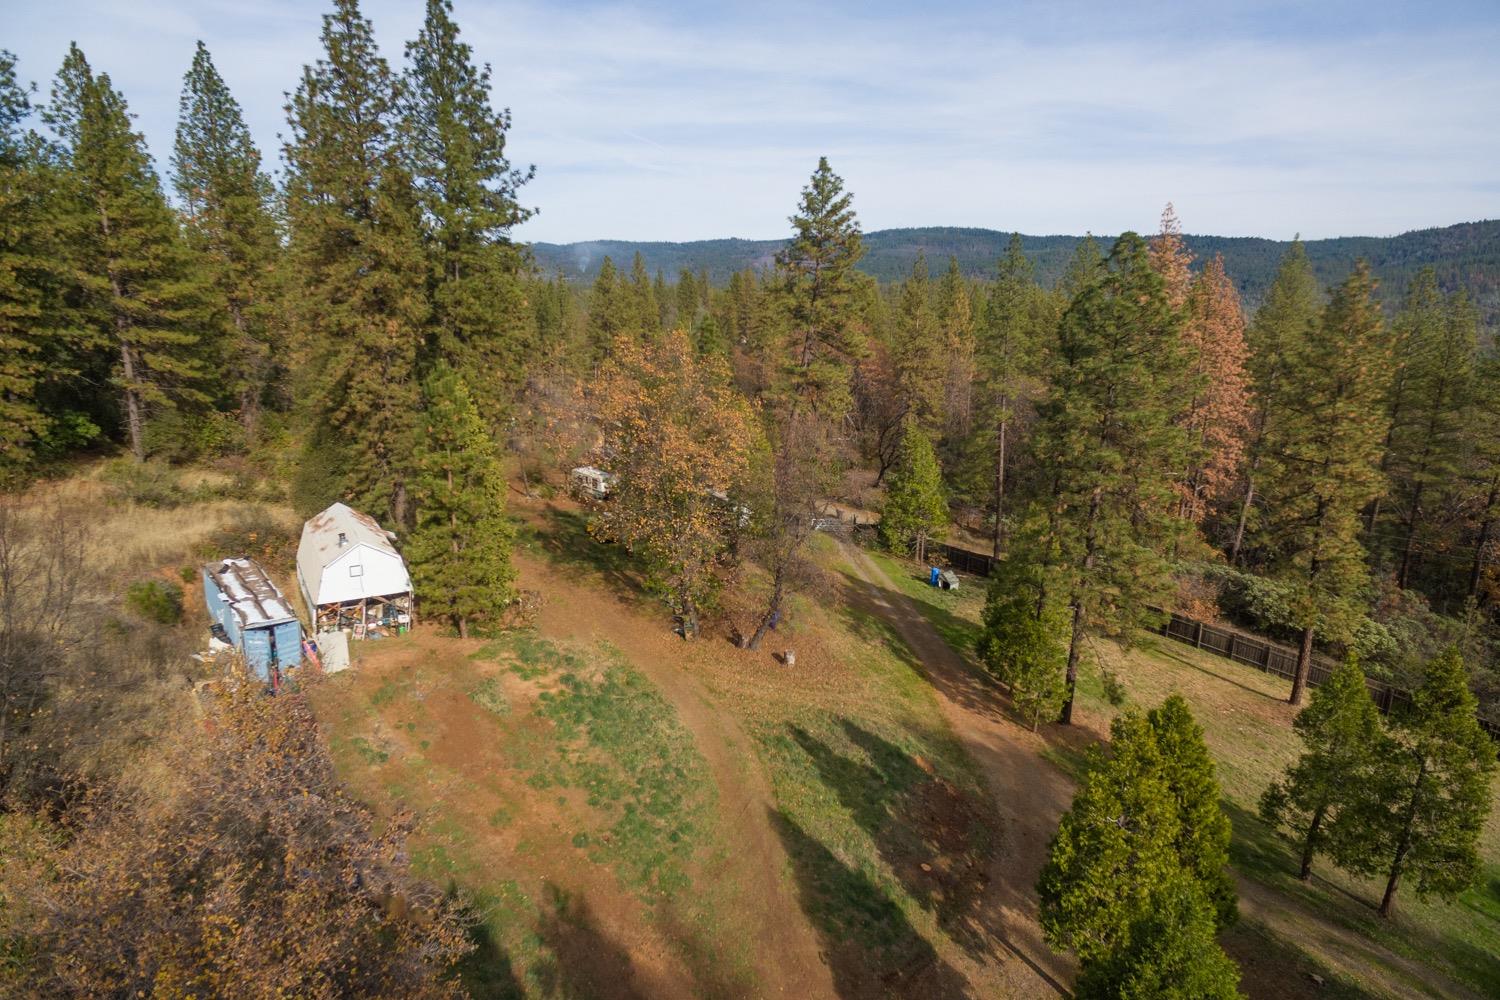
158,601
252,532
180,436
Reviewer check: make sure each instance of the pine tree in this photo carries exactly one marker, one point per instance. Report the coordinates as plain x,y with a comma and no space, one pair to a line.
817,338
1010,354
1426,444
1108,435
1114,846
955,317
31,280
1319,471
460,546
359,272
1171,258
608,310
1021,643
1282,324
916,508
817,283
688,304
1342,742
1085,267
140,290
917,353
1422,816
1482,444
1171,954
644,314
1217,416
1203,830
228,202
455,147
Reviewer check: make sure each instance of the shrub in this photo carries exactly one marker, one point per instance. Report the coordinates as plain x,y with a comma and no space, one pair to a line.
158,601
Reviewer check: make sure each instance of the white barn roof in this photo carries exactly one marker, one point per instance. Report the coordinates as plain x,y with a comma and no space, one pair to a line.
345,556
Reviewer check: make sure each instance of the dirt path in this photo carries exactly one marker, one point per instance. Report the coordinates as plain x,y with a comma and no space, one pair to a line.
1029,792
786,950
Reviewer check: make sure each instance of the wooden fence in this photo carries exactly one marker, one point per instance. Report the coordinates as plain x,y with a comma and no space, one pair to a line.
1281,661
1252,651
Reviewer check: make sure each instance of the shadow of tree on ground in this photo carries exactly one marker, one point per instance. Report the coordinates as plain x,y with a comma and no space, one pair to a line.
870,945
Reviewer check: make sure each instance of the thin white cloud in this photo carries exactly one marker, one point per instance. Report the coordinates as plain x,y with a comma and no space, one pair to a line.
655,124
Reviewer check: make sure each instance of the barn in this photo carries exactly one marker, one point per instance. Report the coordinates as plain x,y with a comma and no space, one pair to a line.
255,617
351,575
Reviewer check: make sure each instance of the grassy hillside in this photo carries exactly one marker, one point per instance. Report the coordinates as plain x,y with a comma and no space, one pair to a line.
1429,948
1466,255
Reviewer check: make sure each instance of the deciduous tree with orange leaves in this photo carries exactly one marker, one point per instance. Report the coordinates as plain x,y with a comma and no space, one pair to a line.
680,437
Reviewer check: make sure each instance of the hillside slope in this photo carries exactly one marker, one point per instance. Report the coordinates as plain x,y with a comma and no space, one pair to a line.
1466,255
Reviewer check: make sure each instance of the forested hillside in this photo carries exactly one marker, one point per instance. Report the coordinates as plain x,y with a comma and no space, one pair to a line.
1465,255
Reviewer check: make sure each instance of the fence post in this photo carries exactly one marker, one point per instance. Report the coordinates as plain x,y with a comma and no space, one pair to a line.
1232,638
1198,636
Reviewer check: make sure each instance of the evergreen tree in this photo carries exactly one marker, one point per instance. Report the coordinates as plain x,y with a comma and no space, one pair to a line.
1085,267
817,338
1021,643
1203,830
228,202
1422,816
1114,847
917,353
32,282
1319,471
1342,743
644,315
1171,954
955,316
140,291
460,546
360,303
1282,324
915,507
1482,444
1109,437
817,284
608,310
1010,354
1426,445
455,146
688,300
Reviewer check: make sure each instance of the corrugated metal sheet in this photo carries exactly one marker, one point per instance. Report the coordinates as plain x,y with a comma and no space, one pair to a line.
256,617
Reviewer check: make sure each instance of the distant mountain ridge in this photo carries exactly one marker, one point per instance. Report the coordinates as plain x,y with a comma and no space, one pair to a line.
1465,255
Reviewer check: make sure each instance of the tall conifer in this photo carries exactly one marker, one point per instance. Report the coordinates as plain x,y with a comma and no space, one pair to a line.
141,292
228,202
359,270
454,143
1283,322
1109,436
1319,470
460,545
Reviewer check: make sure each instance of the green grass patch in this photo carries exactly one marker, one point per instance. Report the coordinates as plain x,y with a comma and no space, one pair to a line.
489,694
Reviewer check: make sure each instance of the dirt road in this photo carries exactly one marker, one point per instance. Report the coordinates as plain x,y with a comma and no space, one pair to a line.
1030,793
786,949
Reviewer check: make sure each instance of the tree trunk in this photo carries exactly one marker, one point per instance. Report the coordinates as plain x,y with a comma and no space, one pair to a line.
772,610
1304,667
1476,573
1308,844
1403,575
1388,901
999,540
1075,645
133,408
463,627
1239,529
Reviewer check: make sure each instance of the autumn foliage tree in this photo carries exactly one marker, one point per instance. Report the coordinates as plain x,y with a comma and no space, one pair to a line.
680,438
247,867
1218,412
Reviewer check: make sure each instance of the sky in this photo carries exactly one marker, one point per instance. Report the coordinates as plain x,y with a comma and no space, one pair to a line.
682,121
